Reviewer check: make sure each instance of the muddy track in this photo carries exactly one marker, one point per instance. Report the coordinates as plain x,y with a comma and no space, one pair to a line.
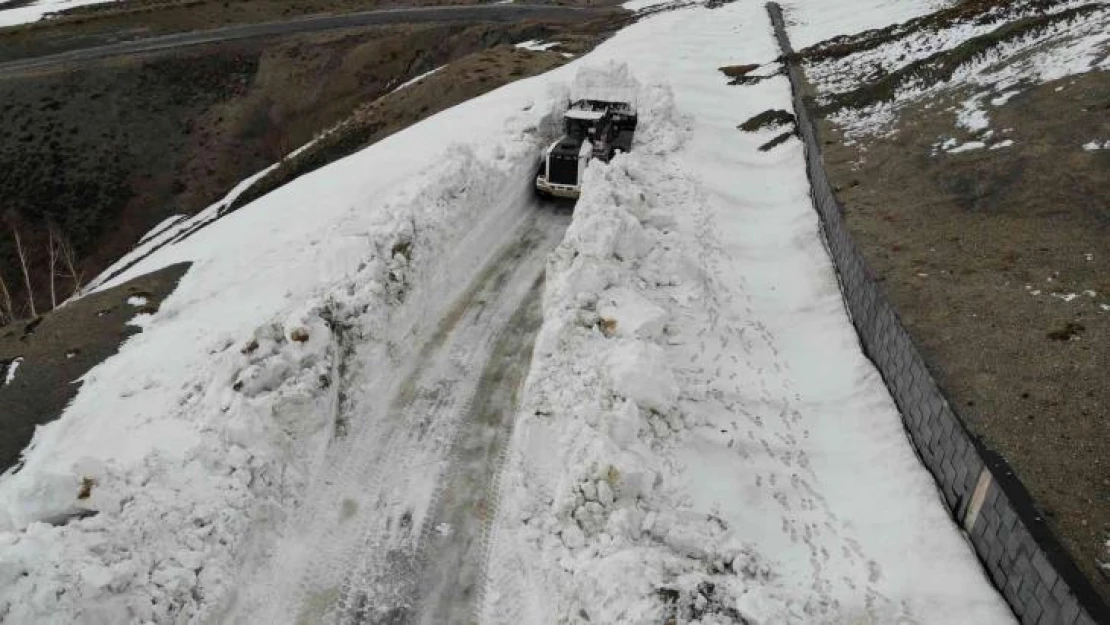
394,527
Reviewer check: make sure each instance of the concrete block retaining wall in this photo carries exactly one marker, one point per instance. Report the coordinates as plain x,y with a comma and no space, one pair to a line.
1020,554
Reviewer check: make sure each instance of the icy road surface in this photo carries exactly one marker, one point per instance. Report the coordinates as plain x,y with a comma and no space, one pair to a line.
393,530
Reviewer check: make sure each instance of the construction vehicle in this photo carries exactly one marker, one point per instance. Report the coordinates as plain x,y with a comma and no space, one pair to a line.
593,129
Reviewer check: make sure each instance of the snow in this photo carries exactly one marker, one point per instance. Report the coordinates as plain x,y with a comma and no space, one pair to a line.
202,432
584,114
698,422
11,369
967,147
166,223
1091,146
1064,49
536,45
39,8
409,83
972,117
732,455
137,301
813,21
1004,98
639,5
604,83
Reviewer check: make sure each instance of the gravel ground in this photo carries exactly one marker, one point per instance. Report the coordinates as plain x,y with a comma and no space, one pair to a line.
981,252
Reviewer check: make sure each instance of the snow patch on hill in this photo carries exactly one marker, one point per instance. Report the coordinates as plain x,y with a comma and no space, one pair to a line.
35,10
981,54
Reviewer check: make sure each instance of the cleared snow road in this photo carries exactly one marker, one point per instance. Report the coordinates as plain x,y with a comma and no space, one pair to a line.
395,532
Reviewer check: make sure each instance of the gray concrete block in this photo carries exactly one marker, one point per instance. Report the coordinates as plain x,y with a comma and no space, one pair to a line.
1047,573
1047,603
1024,569
1019,536
1069,612
1051,614
1062,593
1033,610
1010,590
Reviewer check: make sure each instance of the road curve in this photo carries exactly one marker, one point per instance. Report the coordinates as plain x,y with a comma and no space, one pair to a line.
311,23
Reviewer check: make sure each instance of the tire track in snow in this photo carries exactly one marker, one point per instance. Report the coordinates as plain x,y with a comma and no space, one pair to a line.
469,503
355,542
423,557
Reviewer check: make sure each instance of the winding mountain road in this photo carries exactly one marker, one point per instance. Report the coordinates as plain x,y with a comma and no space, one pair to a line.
307,24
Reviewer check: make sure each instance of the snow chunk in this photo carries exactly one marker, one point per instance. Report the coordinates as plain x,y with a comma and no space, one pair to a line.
12,366
137,301
413,81
640,373
629,314
967,147
141,320
1091,146
612,82
971,117
536,45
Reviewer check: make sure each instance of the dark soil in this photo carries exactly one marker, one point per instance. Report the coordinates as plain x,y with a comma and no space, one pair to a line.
60,347
971,247
771,118
777,141
111,150
736,71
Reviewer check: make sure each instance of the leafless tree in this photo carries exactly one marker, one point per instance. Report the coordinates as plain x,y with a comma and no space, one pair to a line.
13,222
71,266
52,243
7,313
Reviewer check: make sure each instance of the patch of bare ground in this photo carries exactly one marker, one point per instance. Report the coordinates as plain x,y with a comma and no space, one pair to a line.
997,261
56,349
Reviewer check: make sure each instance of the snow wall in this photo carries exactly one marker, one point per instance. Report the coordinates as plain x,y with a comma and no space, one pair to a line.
1023,557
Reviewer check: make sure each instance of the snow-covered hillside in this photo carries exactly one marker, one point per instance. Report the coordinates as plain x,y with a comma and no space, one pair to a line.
985,57
21,13
699,435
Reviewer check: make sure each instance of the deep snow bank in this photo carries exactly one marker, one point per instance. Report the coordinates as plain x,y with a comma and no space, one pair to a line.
194,442
700,437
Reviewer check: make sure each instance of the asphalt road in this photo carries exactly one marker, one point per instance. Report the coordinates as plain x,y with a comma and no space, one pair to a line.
312,23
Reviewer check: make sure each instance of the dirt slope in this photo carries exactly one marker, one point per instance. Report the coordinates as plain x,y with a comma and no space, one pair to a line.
997,257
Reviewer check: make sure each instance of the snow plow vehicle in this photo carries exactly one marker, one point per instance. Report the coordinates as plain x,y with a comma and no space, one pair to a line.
592,129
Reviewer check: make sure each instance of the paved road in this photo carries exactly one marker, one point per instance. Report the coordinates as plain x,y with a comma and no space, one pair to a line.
312,23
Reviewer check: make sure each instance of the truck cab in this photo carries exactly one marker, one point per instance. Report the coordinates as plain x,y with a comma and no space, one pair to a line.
592,129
